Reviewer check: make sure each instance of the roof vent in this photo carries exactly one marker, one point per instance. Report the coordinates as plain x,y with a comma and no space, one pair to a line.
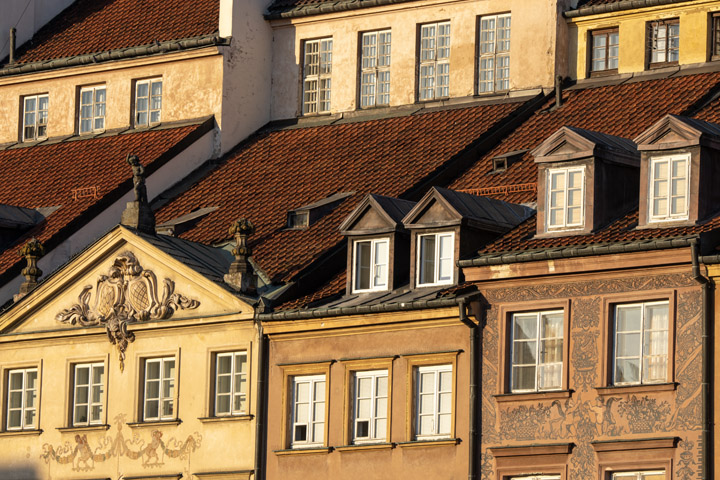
301,218
503,162
183,223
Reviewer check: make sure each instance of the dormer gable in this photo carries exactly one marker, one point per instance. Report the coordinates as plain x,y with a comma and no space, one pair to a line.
679,172
584,179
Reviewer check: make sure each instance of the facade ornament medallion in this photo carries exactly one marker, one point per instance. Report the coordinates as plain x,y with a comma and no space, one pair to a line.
127,294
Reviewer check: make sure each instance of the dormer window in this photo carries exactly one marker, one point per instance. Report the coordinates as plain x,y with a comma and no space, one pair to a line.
565,187
435,259
669,187
371,265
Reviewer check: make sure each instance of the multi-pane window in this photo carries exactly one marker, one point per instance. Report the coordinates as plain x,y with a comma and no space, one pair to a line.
88,394
537,477
159,399
641,343
433,394
565,192
35,117
371,265
715,39
92,109
231,383
494,50
434,61
317,71
375,73
648,475
537,351
370,406
22,392
669,187
664,41
148,101
308,411
605,50
435,258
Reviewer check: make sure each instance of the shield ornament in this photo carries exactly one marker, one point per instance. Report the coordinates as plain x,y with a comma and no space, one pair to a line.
139,294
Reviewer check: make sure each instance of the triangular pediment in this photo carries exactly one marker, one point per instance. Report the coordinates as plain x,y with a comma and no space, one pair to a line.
123,277
432,210
565,144
672,131
374,214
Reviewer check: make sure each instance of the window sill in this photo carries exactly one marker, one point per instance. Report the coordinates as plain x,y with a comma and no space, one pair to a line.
430,443
84,428
603,73
365,446
227,418
154,423
13,433
659,65
648,388
669,223
519,397
303,451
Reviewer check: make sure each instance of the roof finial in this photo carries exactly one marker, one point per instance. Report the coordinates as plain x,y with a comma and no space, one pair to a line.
241,276
32,251
138,214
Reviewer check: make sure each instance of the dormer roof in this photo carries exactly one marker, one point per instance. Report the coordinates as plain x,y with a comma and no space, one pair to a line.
572,143
376,214
674,131
442,207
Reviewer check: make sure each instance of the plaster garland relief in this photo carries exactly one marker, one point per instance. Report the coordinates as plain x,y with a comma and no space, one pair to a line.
127,294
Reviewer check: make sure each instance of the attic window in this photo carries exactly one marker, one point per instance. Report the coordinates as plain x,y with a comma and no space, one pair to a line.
302,217
499,165
298,220
503,162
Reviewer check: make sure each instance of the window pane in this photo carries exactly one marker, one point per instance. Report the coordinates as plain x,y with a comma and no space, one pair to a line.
525,327
627,371
427,259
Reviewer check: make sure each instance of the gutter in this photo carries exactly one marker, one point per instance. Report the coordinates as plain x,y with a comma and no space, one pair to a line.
329,7
117,54
618,7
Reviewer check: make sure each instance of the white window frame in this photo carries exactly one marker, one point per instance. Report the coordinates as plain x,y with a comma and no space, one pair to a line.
375,399
237,357
39,115
669,217
564,225
655,40
149,111
537,477
160,399
437,259
373,265
636,475
317,75
375,59
435,413
24,392
98,109
642,356
610,35
312,381
538,339
92,387
434,61
494,53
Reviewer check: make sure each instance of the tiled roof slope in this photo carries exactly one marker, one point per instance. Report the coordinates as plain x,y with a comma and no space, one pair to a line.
92,26
277,171
47,175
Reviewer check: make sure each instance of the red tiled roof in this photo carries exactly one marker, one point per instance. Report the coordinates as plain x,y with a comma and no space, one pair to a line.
92,26
96,164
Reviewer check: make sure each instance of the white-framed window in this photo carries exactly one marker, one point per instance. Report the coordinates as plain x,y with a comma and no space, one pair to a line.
641,343
536,351
231,383
317,72
605,50
308,411
668,188
22,394
88,389
148,102
370,406
537,477
159,395
664,41
375,69
436,255
370,260
92,109
565,198
35,117
494,53
433,396
646,475
434,71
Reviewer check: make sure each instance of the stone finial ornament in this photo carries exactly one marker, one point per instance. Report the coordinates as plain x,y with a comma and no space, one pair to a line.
138,214
241,276
32,251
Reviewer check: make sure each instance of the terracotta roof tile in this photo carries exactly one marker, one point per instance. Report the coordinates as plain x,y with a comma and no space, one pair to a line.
92,26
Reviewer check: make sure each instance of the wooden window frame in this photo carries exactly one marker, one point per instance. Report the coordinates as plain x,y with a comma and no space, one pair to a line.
36,124
652,218
650,40
319,77
534,460
420,63
93,117
418,258
714,36
214,379
548,193
373,242
351,368
607,32
376,70
289,373
6,369
72,423
149,81
494,55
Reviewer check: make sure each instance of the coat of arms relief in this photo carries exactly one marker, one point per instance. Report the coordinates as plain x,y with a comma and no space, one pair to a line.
127,294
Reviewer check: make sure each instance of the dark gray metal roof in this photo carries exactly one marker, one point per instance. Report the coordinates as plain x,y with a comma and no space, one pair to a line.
396,208
607,142
19,217
485,210
702,126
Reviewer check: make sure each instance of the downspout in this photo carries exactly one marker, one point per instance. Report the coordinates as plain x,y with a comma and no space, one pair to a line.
705,386
474,416
260,406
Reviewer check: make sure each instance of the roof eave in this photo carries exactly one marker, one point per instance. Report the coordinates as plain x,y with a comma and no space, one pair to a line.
617,7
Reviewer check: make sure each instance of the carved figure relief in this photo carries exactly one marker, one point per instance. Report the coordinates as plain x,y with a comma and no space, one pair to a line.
127,294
